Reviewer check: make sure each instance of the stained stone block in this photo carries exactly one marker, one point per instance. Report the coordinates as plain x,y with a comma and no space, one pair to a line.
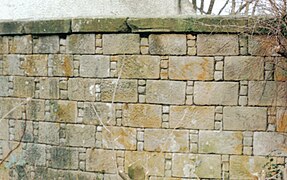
21,45
4,86
98,113
63,158
141,115
146,67
191,68
244,118
62,65
243,68
49,133
35,65
281,70
101,160
94,66
82,89
49,88
164,140
262,45
80,135
9,103
121,43
35,110
12,65
281,119
81,44
24,87
46,44
4,45
63,111
220,142
4,133
217,44
173,44
35,154
165,92
20,126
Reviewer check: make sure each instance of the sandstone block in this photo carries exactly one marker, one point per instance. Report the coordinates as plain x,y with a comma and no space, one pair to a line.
165,92
4,45
62,64
101,160
21,45
141,115
35,154
220,142
280,70
98,113
215,93
281,119
46,44
191,68
49,133
80,135
217,44
82,89
7,104
49,88
12,65
63,111
35,65
173,44
35,110
20,126
64,158
24,87
94,66
4,133
192,117
4,88
164,140
146,67
262,45
121,43
244,118
81,44
243,68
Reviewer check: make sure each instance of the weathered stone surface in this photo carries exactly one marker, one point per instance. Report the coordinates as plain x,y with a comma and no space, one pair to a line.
21,44
141,115
35,110
82,89
165,92
12,64
164,178
49,88
81,44
173,44
245,167
4,44
281,119
164,140
192,117
4,88
7,104
281,69
119,90
152,163
244,118
11,27
4,133
24,86
191,68
269,143
121,43
35,154
80,135
49,133
64,158
4,172
94,66
47,26
119,138
62,64
98,113
267,93
243,68
262,45
46,44
63,111
35,65
208,44
220,142
213,93
20,134
101,160
147,67
205,166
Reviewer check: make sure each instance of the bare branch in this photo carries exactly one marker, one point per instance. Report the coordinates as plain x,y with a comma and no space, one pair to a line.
201,6
223,7
233,5
211,5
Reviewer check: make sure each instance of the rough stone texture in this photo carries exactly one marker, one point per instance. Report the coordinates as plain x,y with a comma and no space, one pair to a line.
147,67
49,88
213,93
35,154
20,126
262,45
173,44
62,65
280,70
12,65
36,110
79,135
208,44
82,89
281,119
101,160
7,104
46,44
141,115
35,65
119,138
81,44
64,158
243,68
191,68
216,142
205,166
166,140
24,87
63,111
4,133
21,44
94,66
192,117
98,113
269,143
166,92
49,133
244,118
4,88
121,43
267,93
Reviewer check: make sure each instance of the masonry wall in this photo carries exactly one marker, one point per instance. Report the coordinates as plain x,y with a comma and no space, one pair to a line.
92,99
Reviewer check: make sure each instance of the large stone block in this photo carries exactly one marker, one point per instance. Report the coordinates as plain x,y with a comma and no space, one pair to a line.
281,69
21,45
24,87
191,68
81,44
267,93
49,133
4,88
35,154
62,64
140,67
119,90
151,162
269,143
165,92
166,140
217,44
173,44
141,115
243,68
23,131
35,65
220,142
121,43
119,138
7,104
281,119
101,160
82,89
98,113
244,118
215,93
64,158
80,135
35,110
4,45
46,44
262,45
191,165
94,66
49,88
63,111
12,65
192,117
4,133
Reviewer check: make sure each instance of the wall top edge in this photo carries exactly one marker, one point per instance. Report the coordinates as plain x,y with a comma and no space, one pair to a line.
190,24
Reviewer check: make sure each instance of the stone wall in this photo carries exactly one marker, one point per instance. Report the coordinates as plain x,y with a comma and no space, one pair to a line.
161,99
